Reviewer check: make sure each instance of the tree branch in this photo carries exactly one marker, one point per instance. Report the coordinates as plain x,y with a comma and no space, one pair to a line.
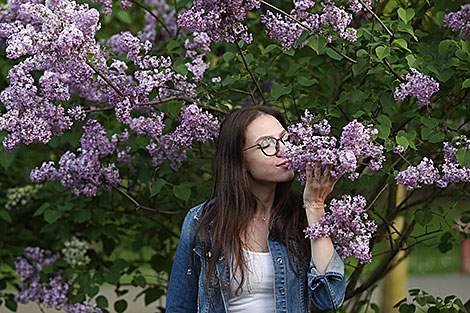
392,36
188,99
100,74
400,77
249,71
143,6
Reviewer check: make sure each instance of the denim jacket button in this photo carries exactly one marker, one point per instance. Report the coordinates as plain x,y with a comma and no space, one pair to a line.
279,260
281,289
221,257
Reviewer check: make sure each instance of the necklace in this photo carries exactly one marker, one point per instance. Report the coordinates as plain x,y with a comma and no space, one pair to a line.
263,218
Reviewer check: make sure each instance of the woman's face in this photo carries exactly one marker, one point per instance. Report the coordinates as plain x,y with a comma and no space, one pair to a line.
261,168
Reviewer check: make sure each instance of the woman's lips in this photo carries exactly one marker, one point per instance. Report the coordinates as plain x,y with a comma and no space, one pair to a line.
283,164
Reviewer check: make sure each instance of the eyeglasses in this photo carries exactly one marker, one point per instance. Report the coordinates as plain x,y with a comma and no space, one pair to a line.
270,145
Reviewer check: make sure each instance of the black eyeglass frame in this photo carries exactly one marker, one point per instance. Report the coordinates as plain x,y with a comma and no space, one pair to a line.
268,138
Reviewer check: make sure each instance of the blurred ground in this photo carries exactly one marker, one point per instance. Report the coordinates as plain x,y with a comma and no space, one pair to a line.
437,284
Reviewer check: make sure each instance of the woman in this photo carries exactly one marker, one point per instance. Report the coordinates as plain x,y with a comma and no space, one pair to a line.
244,251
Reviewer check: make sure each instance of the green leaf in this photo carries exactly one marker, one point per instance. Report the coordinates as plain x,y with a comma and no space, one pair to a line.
407,28
279,90
304,81
411,60
406,15
429,122
173,46
5,215
384,131
426,133
436,137
400,42
157,187
139,281
444,46
463,156
318,44
152,294
382,52
124,16
423,217
174,108
268,49
402,141
6,158
11,304
182,69
360,66
182,191
228,56
290,52
42,208
384,120
92,291
83,215
333,54
466,83
112,276
228,80
302,38
407,308
102,302
120,305
52,215
444,75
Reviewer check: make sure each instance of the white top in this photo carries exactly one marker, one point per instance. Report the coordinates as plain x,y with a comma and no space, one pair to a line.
257,293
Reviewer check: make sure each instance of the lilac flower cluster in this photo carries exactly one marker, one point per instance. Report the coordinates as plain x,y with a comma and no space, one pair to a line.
51,294
194,125
356,142
418,85
459,20
84,173
219,19
331,19
162,9
446,173
349,227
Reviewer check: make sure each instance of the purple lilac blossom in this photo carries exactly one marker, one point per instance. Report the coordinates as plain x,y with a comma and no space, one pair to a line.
54,293
194,125
418,85
84,172
221,20
349,227
398,149
356,142
332,19
446,173
459,20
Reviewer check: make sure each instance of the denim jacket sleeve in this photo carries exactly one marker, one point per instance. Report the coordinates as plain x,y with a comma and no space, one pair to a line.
183,288
327,291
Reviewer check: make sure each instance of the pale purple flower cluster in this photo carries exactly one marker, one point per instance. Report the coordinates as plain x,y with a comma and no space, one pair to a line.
446,173
459,20
288,31
54,293
195,125
56,35
221,20
356,142
196,50
84,172
349,227
419,85
167,15
398,149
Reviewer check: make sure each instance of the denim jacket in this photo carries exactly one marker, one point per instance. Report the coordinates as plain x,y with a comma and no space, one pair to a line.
187,288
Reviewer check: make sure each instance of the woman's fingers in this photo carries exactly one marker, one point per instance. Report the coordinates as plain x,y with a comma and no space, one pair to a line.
318,169
308,172
327,174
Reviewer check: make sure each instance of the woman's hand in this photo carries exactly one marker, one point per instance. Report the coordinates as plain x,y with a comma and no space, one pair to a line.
318,185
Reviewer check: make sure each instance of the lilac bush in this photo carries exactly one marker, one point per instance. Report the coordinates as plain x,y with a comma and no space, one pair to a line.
51,294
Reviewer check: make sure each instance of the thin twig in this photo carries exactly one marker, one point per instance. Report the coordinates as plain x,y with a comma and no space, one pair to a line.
98,110
138,205
97,71
188,99
249,71
143,6
40,307
378,19
377,197
342,54
400,77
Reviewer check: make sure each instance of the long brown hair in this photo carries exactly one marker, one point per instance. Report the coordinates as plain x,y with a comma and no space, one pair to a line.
234,207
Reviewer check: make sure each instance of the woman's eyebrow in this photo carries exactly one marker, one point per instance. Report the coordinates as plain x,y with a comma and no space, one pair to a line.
268,136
